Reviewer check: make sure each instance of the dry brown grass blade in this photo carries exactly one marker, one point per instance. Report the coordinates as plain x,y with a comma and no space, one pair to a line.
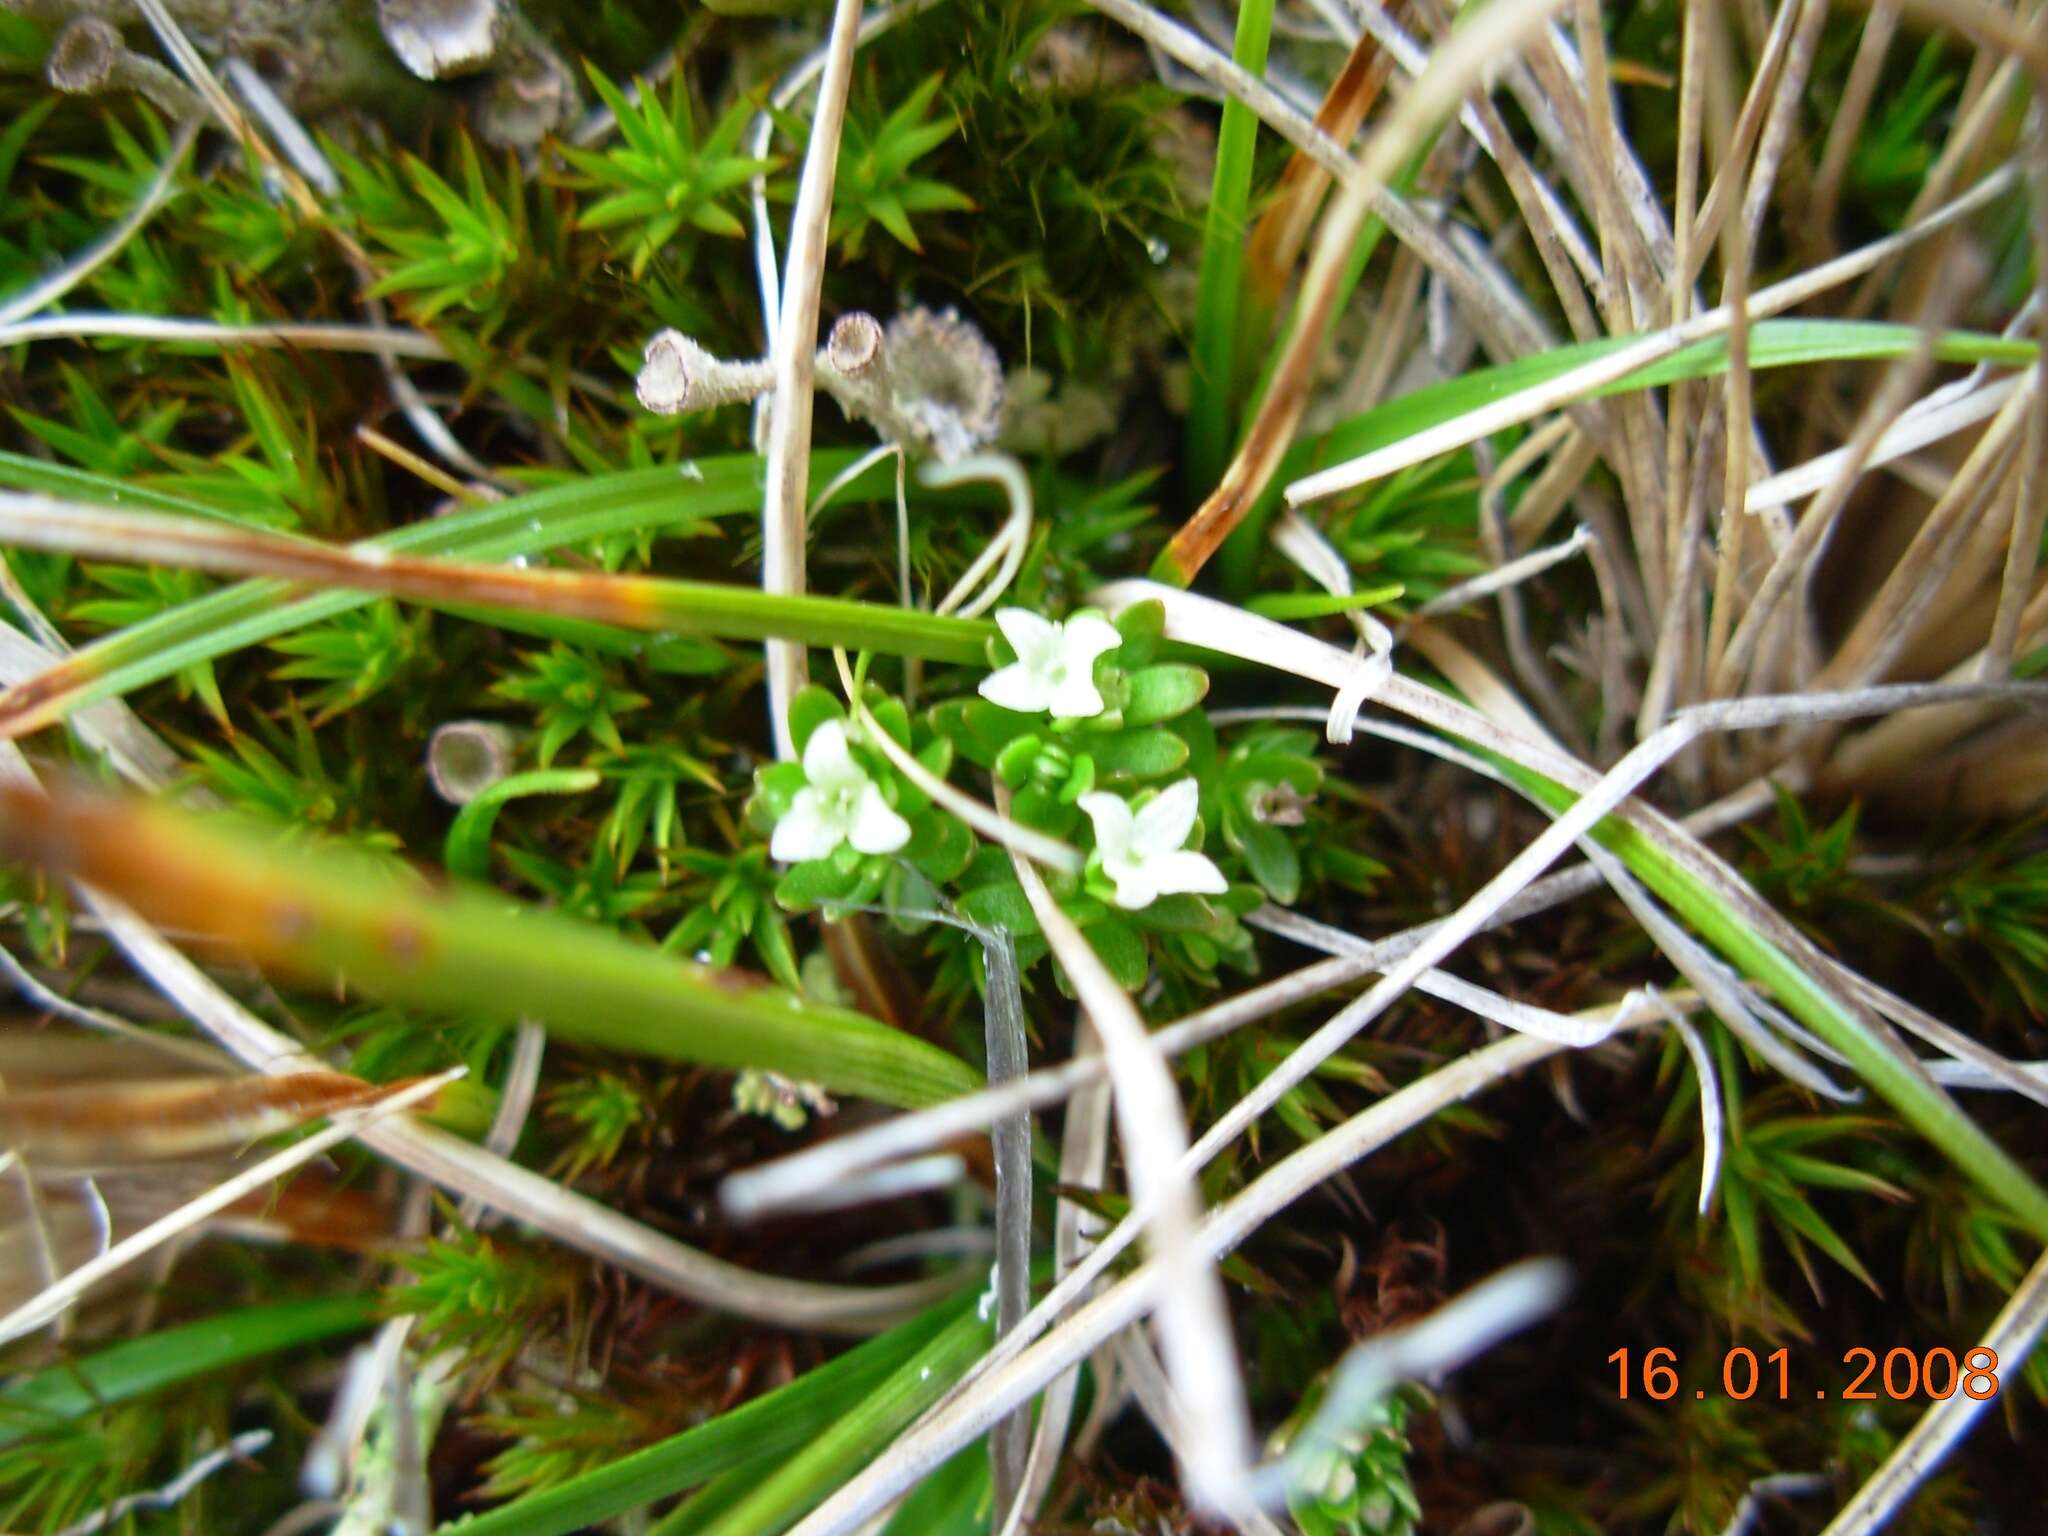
1455,69
795,349
58,1297
100,1125
1282,230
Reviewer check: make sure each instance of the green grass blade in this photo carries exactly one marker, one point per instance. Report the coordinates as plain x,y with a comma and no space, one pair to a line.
137,1367
1772,344
749,1438
1238,558
1918,1100
254,611
20,473
327,913
467,849
1210,429
801,1482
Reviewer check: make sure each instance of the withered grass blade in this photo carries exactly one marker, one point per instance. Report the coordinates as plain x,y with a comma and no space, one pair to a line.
102,1125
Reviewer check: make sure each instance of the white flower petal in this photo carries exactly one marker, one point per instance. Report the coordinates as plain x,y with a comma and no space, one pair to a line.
1086,637
1185,871
1075,696
1035,640
1135,888
1112,819
1164,825
827,762
878,829
809,829
1018,686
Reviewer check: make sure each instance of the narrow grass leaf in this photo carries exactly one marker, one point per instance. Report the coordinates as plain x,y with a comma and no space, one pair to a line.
852,1441
1210,431
758,1435
137,1367
322,914
676,498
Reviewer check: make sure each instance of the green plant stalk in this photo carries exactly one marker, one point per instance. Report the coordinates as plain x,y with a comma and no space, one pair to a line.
752,1437
1223,234
1239,555
137,1367
325,913
1918,1100
254,611
1772,344
467,848
800,1483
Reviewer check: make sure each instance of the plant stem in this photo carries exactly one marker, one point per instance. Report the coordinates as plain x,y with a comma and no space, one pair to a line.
1210,431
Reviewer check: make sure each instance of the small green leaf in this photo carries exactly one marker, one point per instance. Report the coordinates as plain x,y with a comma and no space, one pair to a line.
1320,605
814,882
1143,626
1160,692
1268,855
1122,949
1146,754
810,708
1013,764
940,848
1000,906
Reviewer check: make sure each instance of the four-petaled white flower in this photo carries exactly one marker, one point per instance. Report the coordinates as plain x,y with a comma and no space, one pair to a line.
1055,665
840,804
1143,855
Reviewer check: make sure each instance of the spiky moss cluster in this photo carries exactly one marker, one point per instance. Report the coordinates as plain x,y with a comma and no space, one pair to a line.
543,283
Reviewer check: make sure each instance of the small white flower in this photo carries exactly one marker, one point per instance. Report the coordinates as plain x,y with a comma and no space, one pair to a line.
840,804
1055,665
1143,853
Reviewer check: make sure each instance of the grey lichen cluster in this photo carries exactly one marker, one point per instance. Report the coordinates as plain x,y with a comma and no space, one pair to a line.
399,60
929,383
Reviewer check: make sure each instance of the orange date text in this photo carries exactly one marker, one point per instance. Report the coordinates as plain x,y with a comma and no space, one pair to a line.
1899,1374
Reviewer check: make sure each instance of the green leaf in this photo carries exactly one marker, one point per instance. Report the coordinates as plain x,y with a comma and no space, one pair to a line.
815,882
1143,626
1772,344
1918,1100
759,1435
1146,754
1003,905
588,507
1014,763
328,914
1211,432
137,1367
1164,691
1284,606
807,709
802,1481
1122,949
1268,855
467,851
940,847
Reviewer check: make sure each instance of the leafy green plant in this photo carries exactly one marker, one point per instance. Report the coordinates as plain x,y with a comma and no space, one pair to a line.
570,693
875,185
353,656
453,246
482,1296
1358,1486
136,594
660,181
599,1112
1994,907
